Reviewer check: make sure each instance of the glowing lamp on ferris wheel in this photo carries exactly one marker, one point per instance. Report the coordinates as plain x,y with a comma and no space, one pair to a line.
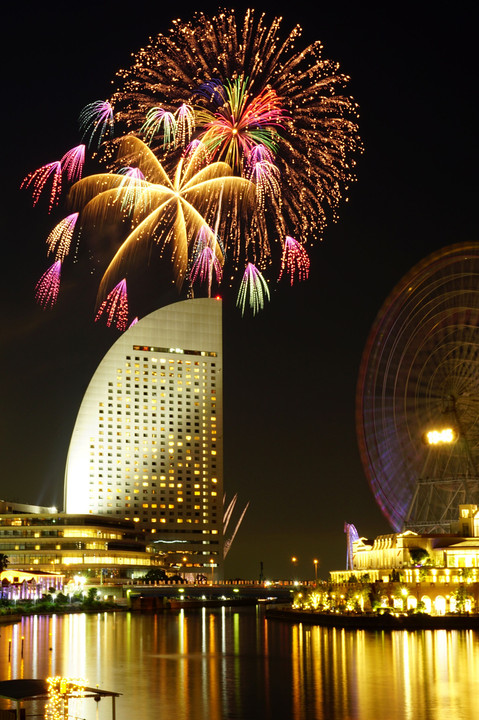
442,436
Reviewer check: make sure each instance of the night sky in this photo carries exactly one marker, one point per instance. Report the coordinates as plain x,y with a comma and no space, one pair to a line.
290,373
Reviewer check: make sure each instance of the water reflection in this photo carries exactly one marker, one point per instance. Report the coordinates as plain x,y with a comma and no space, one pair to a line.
219,664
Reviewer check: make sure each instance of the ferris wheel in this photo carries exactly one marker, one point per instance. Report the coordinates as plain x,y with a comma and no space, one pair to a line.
417,405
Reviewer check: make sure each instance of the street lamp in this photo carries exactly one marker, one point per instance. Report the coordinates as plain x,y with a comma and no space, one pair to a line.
294,561
212,566
315,561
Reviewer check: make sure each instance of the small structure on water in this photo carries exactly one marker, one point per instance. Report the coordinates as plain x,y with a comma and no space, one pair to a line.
54,690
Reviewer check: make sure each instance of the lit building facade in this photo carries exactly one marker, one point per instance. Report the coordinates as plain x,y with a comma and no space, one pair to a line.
443,555
432,568
147,445
69,544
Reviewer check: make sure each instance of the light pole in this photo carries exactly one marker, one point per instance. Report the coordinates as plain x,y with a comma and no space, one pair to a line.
212,566
294,560
315,561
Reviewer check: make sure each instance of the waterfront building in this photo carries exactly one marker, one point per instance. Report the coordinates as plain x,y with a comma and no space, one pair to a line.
428,567
19,585
147,445
72,544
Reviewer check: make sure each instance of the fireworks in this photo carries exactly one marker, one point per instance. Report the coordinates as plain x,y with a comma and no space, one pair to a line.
250,87
265,175
72,162
60,237
115,307
295,260
47,288
206,262
185,124
240,122
165,212
39,179
253,290
156,120
96,121
223,129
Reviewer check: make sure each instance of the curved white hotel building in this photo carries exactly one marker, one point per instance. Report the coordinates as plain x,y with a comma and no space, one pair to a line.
148,440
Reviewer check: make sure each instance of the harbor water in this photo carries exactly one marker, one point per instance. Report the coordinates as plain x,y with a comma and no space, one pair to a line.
227,663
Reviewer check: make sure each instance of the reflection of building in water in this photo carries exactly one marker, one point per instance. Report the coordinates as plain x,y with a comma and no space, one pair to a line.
148,440
434,565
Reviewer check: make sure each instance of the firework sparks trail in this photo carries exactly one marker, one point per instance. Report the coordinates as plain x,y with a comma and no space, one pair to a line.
228,511
131,189
253,290
156,119
229,541
196,149
115,307
265,175
260,153
47,288
185,124
205,262
96,121
60,237
39,178
72,163
295,260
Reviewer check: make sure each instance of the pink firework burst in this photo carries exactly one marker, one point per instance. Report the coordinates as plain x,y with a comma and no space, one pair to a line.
39,179
206,263
46,289
260,153
132,172
265,175
72,163
116,307
295,260
60,237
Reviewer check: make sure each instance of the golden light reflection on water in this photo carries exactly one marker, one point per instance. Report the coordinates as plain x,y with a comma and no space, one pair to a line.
393,675
224,663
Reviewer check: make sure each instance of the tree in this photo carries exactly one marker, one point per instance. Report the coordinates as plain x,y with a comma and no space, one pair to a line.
419,556
156,575
462,598
4,561
92,594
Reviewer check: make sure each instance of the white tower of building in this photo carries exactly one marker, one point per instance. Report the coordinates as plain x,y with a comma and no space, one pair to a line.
148,440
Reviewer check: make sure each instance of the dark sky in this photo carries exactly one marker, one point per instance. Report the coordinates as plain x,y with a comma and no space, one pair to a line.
290,373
